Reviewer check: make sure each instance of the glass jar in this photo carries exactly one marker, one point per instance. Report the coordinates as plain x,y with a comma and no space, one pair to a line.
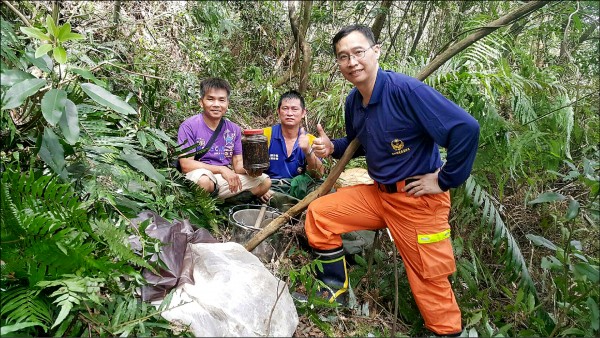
255,152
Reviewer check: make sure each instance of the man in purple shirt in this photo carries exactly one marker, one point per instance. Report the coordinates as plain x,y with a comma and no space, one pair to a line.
399,121
220,171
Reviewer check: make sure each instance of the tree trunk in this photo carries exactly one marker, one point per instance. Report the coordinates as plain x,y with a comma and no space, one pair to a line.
294,25
55,11
380,19
116,13
393,40
422,25
303,53
277,223
305,46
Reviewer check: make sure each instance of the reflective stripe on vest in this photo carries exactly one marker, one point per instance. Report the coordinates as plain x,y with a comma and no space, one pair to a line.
432,238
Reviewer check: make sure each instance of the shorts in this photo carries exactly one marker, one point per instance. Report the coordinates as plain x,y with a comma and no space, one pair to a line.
221,186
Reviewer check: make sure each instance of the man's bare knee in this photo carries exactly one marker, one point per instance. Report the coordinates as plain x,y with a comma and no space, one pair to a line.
206,183
262,188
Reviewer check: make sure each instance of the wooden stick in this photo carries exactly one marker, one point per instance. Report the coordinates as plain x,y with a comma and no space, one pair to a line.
260,217
16,11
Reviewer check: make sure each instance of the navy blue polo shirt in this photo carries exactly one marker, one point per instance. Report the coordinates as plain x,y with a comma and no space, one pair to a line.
401,127
280,165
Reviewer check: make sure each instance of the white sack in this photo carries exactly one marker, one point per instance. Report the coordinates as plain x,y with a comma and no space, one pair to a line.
233,295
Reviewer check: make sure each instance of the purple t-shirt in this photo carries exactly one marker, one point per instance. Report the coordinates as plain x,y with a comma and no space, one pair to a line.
229,142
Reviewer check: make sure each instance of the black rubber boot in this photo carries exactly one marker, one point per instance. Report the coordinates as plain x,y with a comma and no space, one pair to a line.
334,275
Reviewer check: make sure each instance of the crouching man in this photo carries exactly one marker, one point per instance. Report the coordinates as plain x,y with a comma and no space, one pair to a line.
219,170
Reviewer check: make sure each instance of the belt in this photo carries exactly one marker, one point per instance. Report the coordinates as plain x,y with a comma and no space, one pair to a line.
393,187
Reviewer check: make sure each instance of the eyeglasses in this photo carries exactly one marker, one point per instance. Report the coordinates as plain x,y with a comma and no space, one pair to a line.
358,55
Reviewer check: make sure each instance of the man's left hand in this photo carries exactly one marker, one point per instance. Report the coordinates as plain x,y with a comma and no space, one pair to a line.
424,185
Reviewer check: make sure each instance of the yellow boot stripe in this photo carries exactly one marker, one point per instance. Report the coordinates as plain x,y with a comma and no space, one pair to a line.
333,260
345,287
432,238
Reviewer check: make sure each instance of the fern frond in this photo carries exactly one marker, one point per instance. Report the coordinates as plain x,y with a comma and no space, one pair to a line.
117,243
8,212
515,264
51,231
565,120
72,291
485,53
9,42
24,305
522,105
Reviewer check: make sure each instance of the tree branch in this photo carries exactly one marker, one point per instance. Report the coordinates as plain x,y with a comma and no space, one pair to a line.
479,34
16,11
393,41
380,19
132,72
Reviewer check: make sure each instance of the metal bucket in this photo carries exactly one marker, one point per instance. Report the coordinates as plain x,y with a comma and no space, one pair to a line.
242,219
246,218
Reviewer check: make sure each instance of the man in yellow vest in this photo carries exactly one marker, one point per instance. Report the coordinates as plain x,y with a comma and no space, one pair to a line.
290,147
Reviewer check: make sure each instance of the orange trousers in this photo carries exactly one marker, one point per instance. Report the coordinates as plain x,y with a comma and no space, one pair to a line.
416,224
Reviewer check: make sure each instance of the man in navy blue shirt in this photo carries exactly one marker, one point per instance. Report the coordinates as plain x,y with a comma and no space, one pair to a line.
400,122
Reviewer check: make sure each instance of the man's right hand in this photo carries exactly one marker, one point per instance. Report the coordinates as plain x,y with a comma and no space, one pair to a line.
233,180
322,145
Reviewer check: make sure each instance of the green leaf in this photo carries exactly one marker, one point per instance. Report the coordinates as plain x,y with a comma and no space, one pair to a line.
475,318
4,330
63,31
572,331
159,145
541,241
51,26
585,269
60,55
551,263
142,164
141,136
72,36
42,50
594,313
69,123
162,135
64,311
12,76
86,74
15,96
52,152
548,196
35,33
573,210
44,63
53,105
107,99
